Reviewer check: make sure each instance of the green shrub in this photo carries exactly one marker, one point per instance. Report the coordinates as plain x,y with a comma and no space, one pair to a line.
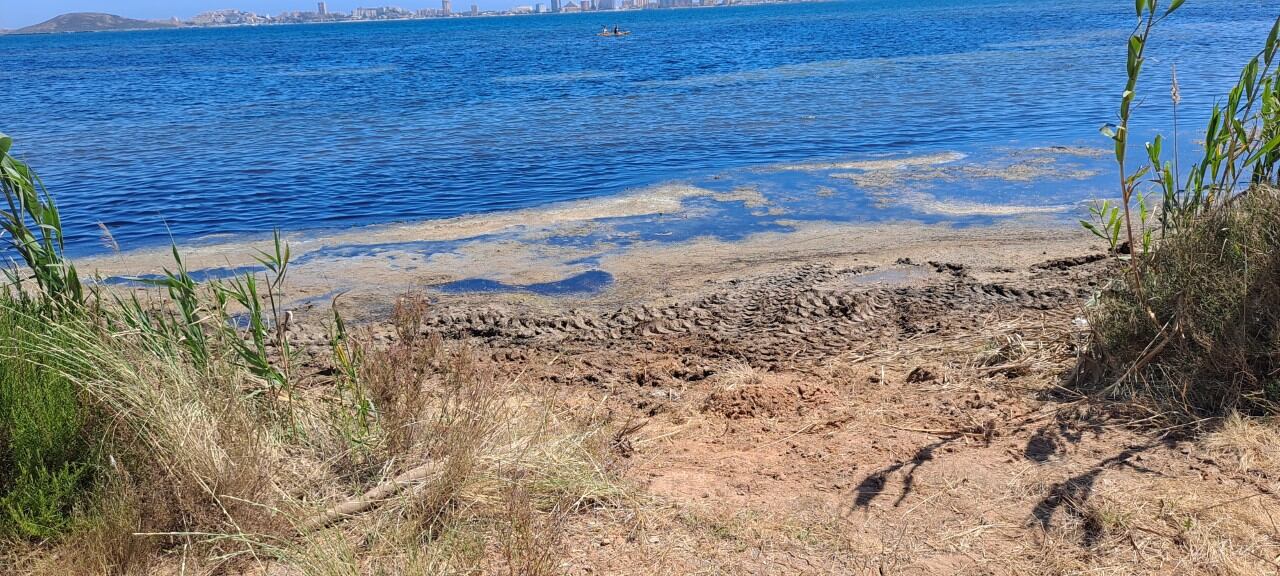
1192,326
44,457
1216,288
180,412
44,454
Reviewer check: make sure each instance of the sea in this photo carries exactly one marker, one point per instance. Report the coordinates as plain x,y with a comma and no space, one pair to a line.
192,134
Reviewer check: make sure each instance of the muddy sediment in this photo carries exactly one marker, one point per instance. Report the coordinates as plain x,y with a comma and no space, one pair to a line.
548,243
802,313
810,312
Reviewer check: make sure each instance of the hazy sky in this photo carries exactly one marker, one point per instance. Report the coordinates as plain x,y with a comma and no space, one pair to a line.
19,13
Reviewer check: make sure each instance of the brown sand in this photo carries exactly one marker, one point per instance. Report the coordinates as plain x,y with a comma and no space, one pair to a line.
887,400
869,400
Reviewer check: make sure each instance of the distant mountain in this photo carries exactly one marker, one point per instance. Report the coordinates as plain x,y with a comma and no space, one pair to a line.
90,22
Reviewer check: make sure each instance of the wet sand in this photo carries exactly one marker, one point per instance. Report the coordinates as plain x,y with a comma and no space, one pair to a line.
670,239
651,271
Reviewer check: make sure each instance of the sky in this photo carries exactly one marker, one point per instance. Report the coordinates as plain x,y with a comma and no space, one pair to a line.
19,13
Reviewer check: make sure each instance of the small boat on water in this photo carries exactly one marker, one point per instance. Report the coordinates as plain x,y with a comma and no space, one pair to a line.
611,34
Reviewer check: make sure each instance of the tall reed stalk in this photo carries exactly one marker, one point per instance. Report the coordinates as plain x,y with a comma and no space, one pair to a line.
32,227
1241,139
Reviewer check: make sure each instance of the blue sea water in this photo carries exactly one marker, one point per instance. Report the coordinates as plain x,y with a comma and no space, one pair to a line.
193,133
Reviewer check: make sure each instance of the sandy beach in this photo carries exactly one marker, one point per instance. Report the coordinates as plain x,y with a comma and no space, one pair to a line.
845,399
669,238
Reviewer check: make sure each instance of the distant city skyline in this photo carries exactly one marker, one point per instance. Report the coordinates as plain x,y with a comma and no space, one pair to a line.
18,14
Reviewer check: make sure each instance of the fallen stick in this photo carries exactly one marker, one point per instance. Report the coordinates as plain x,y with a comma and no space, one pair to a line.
369,499
1148,355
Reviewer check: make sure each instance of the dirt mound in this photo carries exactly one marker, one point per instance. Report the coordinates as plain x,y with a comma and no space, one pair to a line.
769,400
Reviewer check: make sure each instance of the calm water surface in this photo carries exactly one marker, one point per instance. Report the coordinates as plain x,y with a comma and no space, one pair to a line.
240,130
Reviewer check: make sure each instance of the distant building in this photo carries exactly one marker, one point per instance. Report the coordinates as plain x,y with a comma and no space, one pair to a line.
227,18
475,10
445,9
606,5
571,7
383,13
322,8
555,5
540,8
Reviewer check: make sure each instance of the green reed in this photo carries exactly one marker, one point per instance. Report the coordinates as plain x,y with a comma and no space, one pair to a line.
1242,140
266,320
1191,329
33,228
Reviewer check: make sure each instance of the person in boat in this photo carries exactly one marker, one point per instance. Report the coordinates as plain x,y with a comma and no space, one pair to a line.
615,29
604,30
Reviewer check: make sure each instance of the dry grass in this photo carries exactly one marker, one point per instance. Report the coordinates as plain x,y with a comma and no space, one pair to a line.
1203,343
511,469
206,476
1248,444
737,374
529,540
1158,526
408,314
398,380
180,437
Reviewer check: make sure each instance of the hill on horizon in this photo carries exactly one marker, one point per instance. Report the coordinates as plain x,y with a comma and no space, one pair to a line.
90,22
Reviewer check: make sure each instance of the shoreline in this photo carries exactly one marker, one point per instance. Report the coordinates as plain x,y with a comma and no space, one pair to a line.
759,214
746,318
373,272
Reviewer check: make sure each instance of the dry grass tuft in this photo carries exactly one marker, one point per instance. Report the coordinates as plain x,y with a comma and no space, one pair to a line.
507,470
409,314
398,380
181,436
737,374
204,472
530,541
1251,445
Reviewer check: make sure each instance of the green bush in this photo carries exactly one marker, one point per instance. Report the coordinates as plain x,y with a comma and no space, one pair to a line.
1192,326
44,456
1215,289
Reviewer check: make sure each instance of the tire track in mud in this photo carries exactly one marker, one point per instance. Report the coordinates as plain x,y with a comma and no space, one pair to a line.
808,313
